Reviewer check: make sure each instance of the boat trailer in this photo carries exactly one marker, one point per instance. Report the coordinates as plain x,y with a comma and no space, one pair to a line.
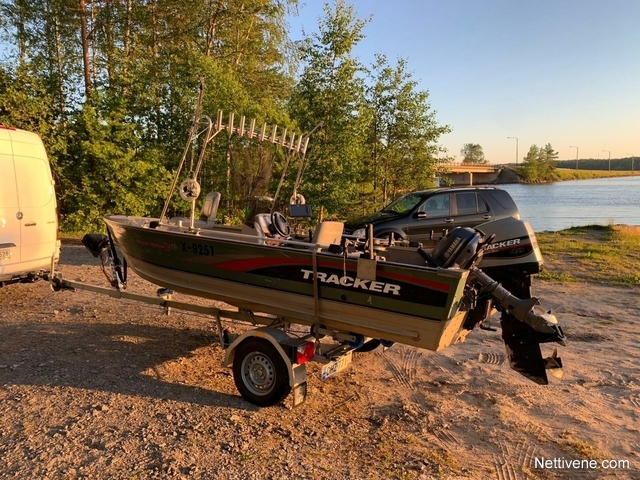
268,362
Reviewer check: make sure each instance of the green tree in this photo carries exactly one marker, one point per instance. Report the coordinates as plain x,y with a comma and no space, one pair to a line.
548,158
403,130
472,153
136,63
106,173
26,103
529,169
331,90
539,164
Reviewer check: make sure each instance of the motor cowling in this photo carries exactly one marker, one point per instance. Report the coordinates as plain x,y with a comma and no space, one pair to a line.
512,254
462,248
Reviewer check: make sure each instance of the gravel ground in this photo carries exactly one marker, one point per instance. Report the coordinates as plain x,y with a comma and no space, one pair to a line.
94,387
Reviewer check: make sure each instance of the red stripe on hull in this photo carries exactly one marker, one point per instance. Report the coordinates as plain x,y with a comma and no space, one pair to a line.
249,264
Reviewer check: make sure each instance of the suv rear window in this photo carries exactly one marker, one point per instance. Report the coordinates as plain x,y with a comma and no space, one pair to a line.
503,199
466,203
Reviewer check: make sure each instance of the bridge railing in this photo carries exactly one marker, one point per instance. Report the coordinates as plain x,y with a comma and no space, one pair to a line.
470,167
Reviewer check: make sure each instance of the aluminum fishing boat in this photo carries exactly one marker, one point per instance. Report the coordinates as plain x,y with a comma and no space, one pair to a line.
360,291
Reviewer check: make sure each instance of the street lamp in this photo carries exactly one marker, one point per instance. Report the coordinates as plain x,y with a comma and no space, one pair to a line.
633,157
573,146
609,158
516,149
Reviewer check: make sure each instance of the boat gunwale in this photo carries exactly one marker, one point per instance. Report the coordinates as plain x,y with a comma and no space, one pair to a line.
250,240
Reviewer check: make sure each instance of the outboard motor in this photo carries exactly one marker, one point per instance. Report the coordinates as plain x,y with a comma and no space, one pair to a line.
512,256
501,257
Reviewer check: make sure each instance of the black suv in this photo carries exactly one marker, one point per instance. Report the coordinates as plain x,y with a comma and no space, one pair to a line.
429,214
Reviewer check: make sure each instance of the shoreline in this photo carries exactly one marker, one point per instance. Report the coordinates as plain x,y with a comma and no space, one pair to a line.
510,176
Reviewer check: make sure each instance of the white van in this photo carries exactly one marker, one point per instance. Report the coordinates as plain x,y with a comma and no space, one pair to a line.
29,236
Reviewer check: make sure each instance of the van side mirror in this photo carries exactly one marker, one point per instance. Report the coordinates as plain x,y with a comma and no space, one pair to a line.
419,216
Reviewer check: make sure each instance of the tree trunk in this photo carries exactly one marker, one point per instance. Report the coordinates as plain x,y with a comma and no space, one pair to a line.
156,76
127,49
85,48
211,29
93,49
22,34
61,100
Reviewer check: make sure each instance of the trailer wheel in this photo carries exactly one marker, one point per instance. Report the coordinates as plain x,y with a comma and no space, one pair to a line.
260,374
358,341
369,346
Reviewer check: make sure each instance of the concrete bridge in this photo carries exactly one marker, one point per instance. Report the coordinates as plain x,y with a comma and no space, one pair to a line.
468,174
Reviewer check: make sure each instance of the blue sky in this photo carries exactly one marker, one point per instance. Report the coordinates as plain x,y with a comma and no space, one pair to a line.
565,72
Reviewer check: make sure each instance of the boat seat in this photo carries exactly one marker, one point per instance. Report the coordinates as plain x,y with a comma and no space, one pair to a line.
208,213
260,228
261,223
210,207
327,233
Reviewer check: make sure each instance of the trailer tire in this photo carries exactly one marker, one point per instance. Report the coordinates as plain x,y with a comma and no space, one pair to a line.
260,374
369,346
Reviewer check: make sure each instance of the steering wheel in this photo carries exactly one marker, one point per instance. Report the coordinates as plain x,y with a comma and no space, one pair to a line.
280,224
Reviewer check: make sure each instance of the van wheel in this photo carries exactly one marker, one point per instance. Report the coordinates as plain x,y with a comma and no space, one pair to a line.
260,374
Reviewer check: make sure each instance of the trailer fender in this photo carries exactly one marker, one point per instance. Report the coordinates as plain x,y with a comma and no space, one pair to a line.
297,373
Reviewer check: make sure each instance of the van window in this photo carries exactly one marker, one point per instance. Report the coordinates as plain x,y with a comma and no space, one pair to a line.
482,205
503,199
33,171
404,204
8,194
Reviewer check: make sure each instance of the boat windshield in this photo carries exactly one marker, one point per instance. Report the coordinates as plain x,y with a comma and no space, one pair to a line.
403,204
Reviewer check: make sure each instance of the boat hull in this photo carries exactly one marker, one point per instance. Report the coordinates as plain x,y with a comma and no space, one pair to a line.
405,303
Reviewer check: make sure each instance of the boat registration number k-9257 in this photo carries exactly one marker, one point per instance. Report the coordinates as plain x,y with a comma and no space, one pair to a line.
197,248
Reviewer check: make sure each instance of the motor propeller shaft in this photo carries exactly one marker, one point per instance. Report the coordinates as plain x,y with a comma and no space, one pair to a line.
521,309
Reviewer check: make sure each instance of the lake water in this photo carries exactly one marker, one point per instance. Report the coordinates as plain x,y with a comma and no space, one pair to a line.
556,206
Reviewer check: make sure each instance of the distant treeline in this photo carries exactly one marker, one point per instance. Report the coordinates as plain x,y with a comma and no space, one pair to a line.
622,164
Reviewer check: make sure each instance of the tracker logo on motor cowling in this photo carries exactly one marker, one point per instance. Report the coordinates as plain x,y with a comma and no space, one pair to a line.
503,244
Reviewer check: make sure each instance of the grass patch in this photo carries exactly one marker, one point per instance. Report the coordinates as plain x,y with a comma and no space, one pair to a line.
244,457
581,447
569,174
607,254
71,237
556,277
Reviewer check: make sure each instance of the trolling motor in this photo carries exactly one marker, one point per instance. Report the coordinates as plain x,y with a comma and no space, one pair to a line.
509,250
100,246
103,247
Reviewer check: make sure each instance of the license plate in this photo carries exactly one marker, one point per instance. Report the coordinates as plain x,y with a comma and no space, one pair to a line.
336,366
5,253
